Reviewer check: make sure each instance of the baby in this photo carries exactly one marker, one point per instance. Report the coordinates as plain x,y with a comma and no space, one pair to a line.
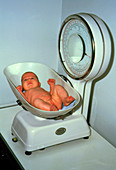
40,98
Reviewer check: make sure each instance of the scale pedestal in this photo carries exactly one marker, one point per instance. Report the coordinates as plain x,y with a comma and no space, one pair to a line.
38,133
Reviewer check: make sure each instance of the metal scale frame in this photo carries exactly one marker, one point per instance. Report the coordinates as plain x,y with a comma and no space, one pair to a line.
85,50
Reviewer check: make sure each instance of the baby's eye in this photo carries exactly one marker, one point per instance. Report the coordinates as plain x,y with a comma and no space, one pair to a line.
25,79
32,78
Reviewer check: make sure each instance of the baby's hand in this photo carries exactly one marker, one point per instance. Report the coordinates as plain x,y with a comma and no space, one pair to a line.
51,81
19,88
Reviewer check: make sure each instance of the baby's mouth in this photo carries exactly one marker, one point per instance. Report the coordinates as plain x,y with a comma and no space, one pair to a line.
29,83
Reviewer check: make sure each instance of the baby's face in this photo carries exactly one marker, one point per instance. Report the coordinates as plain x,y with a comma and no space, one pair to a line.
29,81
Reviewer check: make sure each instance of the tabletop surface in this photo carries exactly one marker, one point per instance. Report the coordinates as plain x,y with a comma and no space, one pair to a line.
81,154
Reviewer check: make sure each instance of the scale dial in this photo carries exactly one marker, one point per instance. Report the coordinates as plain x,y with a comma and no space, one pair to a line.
76,47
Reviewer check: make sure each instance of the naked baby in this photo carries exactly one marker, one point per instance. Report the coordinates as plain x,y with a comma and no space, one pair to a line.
39,97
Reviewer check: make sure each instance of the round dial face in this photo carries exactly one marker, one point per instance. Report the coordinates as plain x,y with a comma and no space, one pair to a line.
76,47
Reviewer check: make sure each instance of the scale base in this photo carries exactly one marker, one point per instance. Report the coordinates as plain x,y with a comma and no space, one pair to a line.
38,133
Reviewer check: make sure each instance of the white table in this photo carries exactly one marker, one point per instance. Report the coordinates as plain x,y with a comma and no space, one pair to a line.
94,153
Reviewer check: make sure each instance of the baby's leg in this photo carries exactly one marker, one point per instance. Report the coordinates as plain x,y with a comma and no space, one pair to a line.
40,104
60,92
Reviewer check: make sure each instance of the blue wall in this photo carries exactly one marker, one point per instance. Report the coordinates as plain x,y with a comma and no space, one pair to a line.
28,32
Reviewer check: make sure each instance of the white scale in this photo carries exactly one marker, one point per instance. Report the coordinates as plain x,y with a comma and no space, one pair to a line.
85,52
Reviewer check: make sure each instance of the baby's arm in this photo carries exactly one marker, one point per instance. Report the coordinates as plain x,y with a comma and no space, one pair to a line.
19,88
51,82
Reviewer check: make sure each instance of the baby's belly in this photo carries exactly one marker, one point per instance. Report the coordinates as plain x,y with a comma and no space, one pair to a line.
45,98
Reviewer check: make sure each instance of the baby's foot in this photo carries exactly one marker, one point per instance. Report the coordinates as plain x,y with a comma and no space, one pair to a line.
53,108
69,100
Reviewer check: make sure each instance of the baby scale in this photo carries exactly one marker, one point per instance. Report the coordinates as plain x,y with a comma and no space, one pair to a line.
85,50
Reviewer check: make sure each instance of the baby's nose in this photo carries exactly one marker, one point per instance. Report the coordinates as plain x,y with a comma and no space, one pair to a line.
28,80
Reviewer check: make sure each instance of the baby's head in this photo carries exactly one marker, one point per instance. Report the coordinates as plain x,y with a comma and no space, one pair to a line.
29,81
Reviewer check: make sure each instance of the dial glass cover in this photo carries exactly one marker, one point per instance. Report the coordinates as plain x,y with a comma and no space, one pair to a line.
76,47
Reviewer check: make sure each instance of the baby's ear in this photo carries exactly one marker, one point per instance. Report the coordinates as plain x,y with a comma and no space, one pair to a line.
39,84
